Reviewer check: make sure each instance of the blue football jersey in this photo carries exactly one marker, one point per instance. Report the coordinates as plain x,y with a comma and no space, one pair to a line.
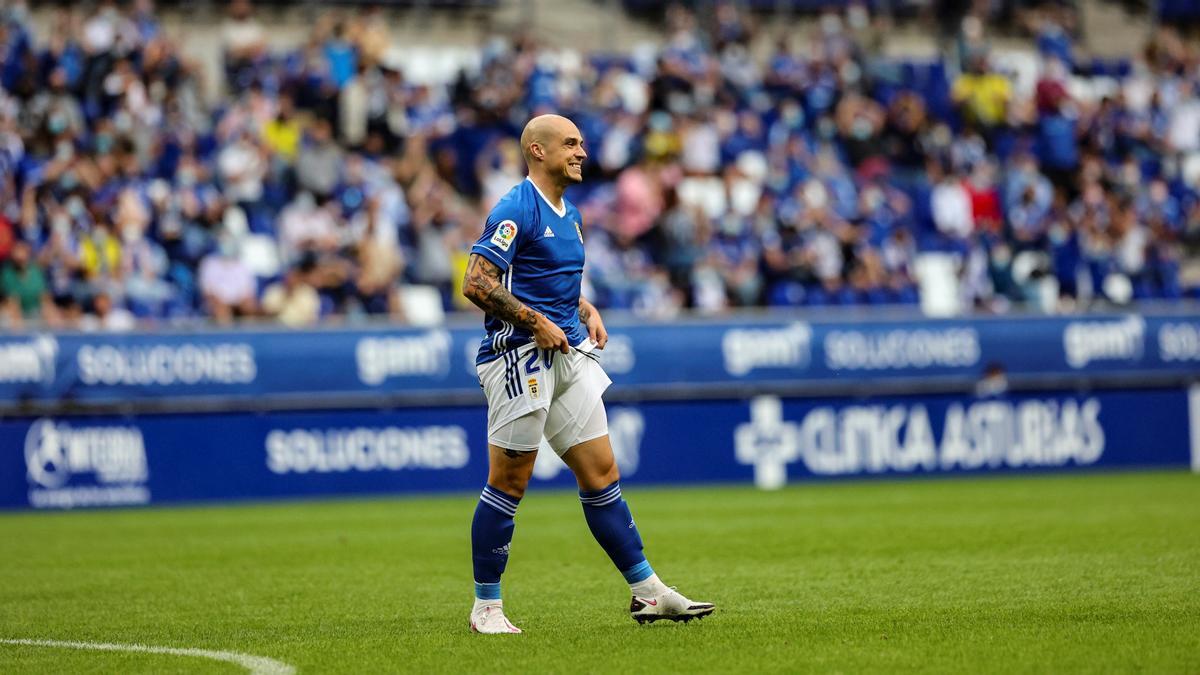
540,250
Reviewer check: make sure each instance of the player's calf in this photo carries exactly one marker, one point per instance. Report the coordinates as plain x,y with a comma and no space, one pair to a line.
612,525
491,535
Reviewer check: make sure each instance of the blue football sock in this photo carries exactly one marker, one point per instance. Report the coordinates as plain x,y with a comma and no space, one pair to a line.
491,533
611,524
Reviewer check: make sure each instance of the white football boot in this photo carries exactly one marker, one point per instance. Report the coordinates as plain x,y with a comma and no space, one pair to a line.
670,605
488,618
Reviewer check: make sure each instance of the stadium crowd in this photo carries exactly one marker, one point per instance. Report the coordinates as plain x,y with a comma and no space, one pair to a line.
325,180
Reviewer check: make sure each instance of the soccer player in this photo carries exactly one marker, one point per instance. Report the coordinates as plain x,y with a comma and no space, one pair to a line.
541,378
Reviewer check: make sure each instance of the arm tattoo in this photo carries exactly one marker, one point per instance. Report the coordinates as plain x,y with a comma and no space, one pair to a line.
482,286
585,312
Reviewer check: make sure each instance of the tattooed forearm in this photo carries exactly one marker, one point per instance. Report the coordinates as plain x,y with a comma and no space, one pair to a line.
482,285
585,311
500,303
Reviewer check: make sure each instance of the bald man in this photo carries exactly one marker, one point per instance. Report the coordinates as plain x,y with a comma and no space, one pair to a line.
542,379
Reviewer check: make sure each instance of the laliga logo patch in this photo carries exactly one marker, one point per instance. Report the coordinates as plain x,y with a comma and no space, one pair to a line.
533,387
578,231
505,234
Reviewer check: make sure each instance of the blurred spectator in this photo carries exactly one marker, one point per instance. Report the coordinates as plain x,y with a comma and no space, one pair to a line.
244,42
638,201
100,257
983,96
57,108
1129,242
354,107
305,226
341,55
104,317
379,268
23,286
1183,125
227,285
859,124
1058,129
292,301
282,135
952,211
243,169
319,162
145,267
499,170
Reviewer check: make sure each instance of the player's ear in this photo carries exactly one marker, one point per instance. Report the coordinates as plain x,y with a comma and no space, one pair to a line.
536,150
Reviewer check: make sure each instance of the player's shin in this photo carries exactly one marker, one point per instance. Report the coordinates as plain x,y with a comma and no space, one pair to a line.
611,523
491,534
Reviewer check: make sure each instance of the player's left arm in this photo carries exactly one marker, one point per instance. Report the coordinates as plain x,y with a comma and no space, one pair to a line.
590,316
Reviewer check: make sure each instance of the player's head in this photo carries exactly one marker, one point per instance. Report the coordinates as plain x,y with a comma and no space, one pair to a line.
553,146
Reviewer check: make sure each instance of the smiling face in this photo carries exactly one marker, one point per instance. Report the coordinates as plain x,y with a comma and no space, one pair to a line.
555,145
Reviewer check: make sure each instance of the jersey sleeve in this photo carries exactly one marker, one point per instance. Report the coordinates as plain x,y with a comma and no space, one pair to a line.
501,237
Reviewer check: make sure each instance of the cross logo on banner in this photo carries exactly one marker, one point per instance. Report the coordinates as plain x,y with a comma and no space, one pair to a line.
768,442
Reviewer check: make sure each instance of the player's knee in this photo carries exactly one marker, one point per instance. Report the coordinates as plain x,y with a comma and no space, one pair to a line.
509,484
511,480
598,474
611,473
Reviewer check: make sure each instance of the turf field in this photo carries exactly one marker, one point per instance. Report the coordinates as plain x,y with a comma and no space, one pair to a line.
1035,574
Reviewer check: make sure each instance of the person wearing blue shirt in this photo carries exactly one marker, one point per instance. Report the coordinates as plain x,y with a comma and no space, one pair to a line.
542,379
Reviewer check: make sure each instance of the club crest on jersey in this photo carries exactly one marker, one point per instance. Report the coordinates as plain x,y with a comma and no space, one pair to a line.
533,387
578,230
505,234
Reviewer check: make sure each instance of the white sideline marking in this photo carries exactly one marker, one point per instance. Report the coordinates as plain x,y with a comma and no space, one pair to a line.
257,665
1194,425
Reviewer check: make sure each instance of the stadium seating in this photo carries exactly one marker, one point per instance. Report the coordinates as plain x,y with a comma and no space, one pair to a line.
354,168
1178,10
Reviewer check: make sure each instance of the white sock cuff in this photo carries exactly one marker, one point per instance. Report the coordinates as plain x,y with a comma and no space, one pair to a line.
648,587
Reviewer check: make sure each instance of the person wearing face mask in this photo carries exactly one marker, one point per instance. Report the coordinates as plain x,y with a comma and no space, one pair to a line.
144,265
59,258
859,121
736,254
55,106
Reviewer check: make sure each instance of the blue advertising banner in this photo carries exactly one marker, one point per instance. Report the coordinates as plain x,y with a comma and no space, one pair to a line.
359,367
81,461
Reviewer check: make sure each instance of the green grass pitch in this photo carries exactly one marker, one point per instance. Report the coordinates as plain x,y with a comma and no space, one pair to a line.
1044,574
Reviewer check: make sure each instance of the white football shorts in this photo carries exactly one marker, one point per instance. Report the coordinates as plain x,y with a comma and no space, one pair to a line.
534,392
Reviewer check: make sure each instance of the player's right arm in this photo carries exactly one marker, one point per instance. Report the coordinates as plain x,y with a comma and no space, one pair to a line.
483,285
